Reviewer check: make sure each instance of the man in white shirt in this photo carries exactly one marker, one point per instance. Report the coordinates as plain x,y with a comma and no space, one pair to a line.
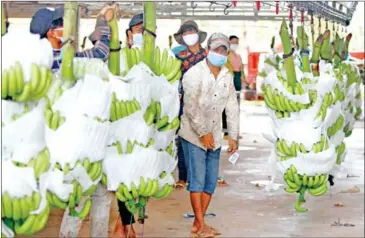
208,90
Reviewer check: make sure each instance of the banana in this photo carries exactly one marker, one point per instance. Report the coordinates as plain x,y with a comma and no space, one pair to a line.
120,196
123,109
86,164
269,94
158,110
55,120
163,61
270,104
292,184
119,147
277,100
279,146
138,55
20,230
85,210
298,208
118,111
91,190
126,193
8,206
98,171
58,203
134,191
16,209
129,147
305,179
41,220
286,148
42,82
316,180
319,190
78,194
157,64
299,106
71,201
290,175
293,150
175,68
162,191
310,182
162,122
42,164
4,84
12,86
291,190
136,104
93,170
35,76
155,188
322,179
133,57
104,180
176,77
66,168
113,116
142,186
19,77
282,101
168,66
148,189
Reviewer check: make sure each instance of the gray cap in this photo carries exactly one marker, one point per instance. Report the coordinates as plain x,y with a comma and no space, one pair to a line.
219,39
42,20
137,19
186,26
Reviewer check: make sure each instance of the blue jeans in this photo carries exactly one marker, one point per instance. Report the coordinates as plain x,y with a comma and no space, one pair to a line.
202,167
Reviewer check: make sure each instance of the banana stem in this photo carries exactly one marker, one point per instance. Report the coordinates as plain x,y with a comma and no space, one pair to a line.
338,50
272,42
326,53
69,32
114,56
3,19
302,39
148,38
288,61
315,55
347,43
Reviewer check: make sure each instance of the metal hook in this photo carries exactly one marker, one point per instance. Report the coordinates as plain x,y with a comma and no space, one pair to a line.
193,6
211,8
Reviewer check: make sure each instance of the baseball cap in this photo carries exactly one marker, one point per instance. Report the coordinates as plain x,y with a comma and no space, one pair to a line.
218,39
136,19
43,20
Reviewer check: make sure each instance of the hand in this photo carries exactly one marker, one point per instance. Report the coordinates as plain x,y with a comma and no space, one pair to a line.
232,146
208,141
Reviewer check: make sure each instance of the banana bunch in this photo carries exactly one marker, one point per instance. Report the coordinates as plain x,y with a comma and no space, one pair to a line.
306,81
18,211
137,197
120,109
329,100
129,149
53,119
168,66
285,152
170,148
14,87
40,163
332,130
93,66
340,149
316,185
94,170
283,106
73,199
152,115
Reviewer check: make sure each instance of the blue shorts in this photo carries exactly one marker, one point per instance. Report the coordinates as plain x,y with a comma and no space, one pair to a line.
202,167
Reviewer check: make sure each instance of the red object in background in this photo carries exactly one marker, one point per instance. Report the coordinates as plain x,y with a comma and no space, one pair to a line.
302,16
234,3
358,55
258,5
290,13
277,7
253,61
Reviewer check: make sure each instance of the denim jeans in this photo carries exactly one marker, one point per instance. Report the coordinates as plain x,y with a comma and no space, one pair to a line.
202,167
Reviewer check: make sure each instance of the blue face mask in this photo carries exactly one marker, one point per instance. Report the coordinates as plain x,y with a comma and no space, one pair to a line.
217,60
137,39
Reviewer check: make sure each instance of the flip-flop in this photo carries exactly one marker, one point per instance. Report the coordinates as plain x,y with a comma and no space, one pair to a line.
190,215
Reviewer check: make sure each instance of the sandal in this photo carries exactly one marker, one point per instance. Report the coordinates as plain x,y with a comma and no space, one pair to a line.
215,231
180,185
204,233
221,182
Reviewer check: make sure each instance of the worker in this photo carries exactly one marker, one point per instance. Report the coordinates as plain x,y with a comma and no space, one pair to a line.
48,23
191,37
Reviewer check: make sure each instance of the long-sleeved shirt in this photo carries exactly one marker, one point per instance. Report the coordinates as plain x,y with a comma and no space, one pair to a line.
100,50
205,98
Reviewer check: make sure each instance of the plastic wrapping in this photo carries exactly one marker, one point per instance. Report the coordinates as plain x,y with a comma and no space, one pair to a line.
99,214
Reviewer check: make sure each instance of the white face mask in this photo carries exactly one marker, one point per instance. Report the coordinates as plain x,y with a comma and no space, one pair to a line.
137,40
234,47
191,39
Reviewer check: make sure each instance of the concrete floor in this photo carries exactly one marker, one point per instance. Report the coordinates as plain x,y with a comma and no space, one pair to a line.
244,210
